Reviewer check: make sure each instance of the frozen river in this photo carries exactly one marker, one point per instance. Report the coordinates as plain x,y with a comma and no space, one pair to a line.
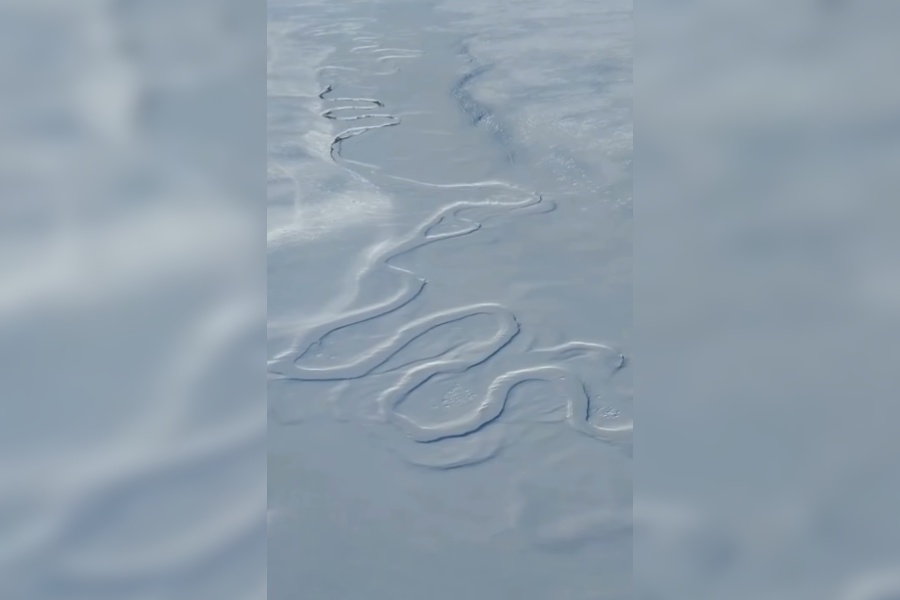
450,300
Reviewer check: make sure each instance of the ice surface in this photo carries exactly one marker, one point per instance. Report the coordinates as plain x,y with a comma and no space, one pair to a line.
449,353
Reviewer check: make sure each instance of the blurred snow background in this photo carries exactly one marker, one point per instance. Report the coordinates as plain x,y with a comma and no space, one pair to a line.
132,420
766,282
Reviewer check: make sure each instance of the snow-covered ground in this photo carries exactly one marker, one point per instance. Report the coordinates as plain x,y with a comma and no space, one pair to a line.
450,300
449,255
